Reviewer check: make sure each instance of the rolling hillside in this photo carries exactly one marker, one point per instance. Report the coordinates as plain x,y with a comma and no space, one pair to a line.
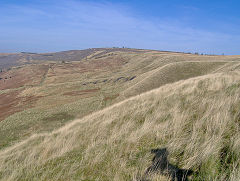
97,115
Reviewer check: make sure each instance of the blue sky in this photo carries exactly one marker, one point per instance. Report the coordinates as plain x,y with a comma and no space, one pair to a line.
204,26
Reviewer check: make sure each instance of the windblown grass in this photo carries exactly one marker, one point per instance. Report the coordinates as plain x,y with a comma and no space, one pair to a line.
198,120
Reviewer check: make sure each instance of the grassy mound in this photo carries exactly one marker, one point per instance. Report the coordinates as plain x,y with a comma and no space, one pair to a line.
198,120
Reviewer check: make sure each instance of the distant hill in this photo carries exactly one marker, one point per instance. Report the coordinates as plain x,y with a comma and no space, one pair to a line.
16,59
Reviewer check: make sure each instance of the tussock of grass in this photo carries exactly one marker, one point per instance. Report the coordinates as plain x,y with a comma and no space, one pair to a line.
196,119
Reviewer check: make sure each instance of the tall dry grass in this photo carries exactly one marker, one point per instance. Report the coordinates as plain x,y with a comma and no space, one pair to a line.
198,120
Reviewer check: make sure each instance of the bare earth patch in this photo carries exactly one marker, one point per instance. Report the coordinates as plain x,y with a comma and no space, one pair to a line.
19,77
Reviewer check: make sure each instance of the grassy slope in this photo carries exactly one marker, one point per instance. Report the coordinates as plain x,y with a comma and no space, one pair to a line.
171,73
196,119
152,70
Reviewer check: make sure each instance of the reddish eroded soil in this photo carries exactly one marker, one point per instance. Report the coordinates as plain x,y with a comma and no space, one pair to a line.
10,103
111,97
19,77
82,92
